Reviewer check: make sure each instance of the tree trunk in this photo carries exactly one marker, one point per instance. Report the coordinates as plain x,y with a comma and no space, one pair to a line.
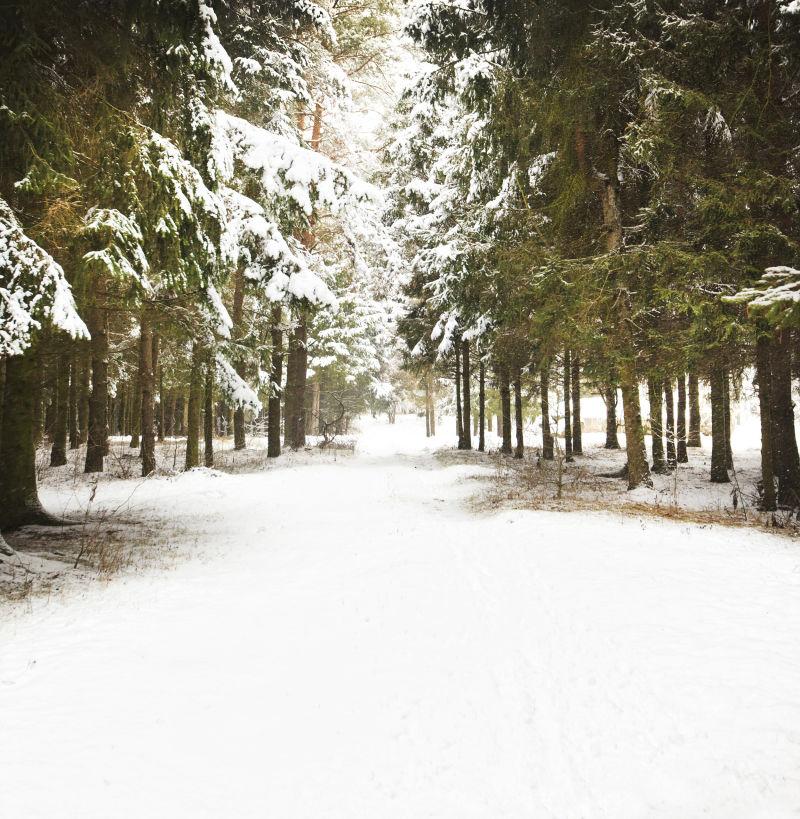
275,379
682,455
294,408
577,432
567,414
637,469
83,394
431,398
694,438
520,448
300,383
610,396
505,408
208,415
726,394
98,400
466,396
58,452
136,410
193,408
547,435
669,400
481,407
19,498
785,457
764,380
159,369
719,459
459,412
73,399
147,386
654,397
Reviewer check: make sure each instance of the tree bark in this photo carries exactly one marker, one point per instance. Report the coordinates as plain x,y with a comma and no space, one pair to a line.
147,389
431,399
654,397
547,435
577,432
610,396
73,398
98,400
785,456
58,452
459,411
294,434
764,380
669,400
520,448
481,407
726,394
682,455
193,408
719,459
237,315
466,423
694,439
208,415
275,380
505,408
567,413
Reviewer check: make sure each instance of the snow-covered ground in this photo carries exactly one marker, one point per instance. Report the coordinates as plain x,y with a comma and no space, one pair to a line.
354,638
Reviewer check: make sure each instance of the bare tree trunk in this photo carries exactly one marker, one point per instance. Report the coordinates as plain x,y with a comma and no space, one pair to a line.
98,401
785,456
654,396
505,408
669,400
567,415
193,408
236,317
208,415
726,394
467,411
764,378
547,435
147,386
275,380
577,432
481,407
683,456
431,398
519,451
459,412
610,397
719,460
58,452
694,439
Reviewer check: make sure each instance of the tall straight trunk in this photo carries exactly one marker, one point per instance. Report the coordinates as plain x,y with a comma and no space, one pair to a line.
431,399
208,414
294,409
520,448
58,452
237,315
466,396
427,409
567,412
147,387
637,468
158,385
275,381
290,393
459,411
83,393
610,398
764,379
719,458
136,410
547,435
505,408
785,456
683,456
693,438
669,400
577,432
193,407
300,383
72,399
654,397
98,400
19,498
726,394
481,407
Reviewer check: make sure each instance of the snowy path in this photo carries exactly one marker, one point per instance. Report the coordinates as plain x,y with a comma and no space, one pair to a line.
355,642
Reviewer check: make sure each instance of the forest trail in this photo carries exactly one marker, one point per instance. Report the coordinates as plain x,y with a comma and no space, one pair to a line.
354,640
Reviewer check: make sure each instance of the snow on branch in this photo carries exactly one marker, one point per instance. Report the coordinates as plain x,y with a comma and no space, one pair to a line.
33,287
775,296
120,252
234,387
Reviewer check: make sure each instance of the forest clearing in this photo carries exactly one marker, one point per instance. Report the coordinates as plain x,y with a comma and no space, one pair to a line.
398,409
